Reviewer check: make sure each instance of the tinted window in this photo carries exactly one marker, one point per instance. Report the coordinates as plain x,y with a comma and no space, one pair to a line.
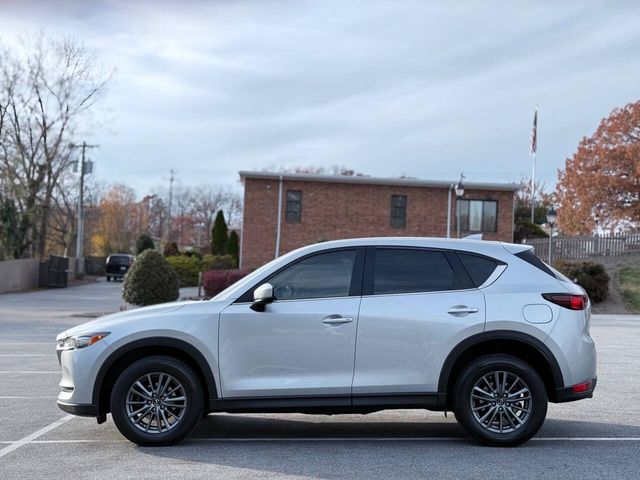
323,275
398,211
530,257
479,268
406,271
119,260
293,212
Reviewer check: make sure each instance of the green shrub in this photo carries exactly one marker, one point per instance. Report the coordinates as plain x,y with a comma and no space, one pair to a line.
219,234
233,247
187,269
589,275
171,249
150,280
144,242
218,262
525,229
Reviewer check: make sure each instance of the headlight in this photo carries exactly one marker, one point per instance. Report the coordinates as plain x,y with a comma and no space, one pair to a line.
81,341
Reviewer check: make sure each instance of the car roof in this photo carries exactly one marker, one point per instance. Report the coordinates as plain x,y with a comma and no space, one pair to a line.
488,247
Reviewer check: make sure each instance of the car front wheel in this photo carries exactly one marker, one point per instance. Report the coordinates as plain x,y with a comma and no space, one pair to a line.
157,401
500,400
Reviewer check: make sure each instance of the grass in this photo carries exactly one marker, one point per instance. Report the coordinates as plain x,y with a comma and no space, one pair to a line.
628,280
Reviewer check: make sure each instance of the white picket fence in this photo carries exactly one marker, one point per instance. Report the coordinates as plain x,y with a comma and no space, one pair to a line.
585,247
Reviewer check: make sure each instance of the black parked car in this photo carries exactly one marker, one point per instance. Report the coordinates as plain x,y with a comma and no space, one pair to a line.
118,265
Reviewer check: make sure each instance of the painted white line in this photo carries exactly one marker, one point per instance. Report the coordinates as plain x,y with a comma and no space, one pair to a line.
342,439
21,398
30,438
52,343
21,372
27,354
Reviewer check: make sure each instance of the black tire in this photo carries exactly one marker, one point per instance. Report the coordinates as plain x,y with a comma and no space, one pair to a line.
108,279
192,411
512,368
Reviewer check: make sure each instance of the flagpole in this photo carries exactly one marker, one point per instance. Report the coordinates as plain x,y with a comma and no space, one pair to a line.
533,186
533,152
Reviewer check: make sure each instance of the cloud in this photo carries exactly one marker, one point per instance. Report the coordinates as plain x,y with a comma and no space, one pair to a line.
417,88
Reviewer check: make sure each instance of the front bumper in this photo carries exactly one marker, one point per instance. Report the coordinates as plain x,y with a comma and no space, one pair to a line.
82,410
567,394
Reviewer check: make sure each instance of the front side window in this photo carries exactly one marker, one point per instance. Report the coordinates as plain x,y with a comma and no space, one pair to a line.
408,271
320,276
398,211
478,215
294,206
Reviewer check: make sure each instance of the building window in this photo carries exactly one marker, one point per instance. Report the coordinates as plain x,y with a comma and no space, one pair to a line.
478,215
398,211
294,206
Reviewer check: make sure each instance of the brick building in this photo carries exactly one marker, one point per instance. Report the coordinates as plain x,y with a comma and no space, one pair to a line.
316,208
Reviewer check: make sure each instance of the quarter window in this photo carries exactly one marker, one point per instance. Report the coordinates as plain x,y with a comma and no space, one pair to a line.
398,211
478,215
479,268
294,206
320,276
407,271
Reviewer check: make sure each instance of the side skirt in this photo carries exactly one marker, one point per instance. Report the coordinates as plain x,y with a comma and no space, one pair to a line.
329,404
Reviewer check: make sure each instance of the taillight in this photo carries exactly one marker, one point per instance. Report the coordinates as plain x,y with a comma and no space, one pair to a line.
567,300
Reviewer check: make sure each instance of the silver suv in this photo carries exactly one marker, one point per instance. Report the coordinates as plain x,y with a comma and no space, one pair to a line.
483,329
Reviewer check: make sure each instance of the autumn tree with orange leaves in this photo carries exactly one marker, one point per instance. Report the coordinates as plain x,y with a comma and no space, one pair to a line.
600,184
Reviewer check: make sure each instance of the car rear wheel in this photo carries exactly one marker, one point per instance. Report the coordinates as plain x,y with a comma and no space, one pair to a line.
157,401
108,279
500,400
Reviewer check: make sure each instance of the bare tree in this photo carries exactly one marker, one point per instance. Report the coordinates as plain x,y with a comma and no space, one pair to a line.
47,91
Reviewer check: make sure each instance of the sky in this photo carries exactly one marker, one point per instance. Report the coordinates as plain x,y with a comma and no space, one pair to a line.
388,88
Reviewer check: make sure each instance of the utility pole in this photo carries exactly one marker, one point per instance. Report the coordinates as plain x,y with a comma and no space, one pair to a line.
86,166
171,179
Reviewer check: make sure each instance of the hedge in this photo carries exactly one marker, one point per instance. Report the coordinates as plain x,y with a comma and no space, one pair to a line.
187,269
589,275
215,281
218,262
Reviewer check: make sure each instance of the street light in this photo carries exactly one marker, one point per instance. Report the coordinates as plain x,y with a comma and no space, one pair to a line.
551,219
459,193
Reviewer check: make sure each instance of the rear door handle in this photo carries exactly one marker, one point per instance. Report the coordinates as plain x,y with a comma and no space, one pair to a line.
462,310
336,320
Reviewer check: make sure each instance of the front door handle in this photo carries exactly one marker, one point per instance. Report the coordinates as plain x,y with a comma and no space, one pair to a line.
462,310
336,320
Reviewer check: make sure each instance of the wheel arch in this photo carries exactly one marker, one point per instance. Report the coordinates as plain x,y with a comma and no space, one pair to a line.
126,354
521,345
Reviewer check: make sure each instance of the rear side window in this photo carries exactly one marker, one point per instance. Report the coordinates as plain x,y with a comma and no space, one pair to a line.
529,257
408,271
478,267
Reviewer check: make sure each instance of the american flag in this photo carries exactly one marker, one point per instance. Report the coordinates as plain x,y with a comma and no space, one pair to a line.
534,133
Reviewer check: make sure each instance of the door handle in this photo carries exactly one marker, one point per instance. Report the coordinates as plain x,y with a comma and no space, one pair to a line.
462,310
336,320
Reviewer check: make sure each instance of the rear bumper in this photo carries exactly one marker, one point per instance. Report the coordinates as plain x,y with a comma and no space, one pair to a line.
85,410
567,394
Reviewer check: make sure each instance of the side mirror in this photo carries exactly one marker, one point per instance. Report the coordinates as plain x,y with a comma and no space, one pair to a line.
261,297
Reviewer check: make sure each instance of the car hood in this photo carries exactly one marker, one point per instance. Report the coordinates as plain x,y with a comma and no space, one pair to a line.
108,322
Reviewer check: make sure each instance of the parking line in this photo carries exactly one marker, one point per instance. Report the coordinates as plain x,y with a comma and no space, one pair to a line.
9,397
29,438
6,372
27,354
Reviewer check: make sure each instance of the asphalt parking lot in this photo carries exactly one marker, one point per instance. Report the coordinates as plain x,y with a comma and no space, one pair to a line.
597,438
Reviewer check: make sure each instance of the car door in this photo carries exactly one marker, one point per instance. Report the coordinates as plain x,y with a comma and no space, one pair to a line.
303,343
417,304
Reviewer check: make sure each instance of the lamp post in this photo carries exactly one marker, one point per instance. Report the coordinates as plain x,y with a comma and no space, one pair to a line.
551,219
459,193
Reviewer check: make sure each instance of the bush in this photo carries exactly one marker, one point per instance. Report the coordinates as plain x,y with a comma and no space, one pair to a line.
192,253
144,242
150,280
219,234
218,262
215,281
589,275
525,229
233,247
187,269
171,249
